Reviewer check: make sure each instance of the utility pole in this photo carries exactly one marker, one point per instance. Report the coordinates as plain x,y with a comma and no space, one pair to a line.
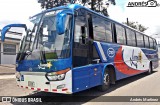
127,22
92,4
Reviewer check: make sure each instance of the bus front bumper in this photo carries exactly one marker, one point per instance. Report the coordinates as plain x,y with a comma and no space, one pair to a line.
37,81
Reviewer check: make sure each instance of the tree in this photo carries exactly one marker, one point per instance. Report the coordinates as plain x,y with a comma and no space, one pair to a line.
136,25
96,5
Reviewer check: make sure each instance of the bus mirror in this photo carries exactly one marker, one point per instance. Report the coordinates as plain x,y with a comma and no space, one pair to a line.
60,23
6,28
61,20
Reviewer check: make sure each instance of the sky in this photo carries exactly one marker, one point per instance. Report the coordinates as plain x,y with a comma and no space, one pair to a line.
19,11
147,16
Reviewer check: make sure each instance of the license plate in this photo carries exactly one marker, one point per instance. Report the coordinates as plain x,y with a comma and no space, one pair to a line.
31,84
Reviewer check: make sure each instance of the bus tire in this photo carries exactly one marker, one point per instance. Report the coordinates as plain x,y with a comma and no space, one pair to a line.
106,82
150,70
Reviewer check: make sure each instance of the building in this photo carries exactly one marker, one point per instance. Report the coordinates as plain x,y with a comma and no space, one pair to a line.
9,48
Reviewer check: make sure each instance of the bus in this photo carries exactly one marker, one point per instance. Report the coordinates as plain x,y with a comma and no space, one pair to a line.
71,48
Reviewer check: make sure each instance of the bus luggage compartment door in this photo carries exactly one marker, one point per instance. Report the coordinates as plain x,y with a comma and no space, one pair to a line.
95,75
86,77
81,77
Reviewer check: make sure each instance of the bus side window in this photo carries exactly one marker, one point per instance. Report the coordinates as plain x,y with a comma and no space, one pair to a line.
155,44
146,41
120,32
95,54
108,31
140,42
80,29
98,28
151,43
131,37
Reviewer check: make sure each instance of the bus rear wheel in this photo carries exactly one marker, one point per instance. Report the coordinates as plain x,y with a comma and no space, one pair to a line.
150,69
106,82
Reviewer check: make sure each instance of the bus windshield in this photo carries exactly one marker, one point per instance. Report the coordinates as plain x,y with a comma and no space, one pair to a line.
54,45
43,37
28,37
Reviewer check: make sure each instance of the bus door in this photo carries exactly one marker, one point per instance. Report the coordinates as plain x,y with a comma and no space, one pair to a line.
81,70
85,74
94,60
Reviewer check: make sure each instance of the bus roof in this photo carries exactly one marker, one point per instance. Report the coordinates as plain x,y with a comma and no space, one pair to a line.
77,6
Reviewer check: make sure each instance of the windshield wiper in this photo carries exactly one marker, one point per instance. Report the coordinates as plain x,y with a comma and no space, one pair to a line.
30,35
42,53
43,57
26,51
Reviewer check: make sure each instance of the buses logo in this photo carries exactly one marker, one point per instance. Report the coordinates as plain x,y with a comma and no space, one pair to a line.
111,52
42,66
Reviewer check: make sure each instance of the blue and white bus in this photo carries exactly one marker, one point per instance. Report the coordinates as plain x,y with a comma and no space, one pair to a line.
71,48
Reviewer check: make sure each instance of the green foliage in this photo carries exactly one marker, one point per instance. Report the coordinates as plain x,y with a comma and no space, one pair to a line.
136,25
96,5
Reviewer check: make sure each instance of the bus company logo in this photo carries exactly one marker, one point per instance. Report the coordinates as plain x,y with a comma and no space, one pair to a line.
42,66
149,3
111,52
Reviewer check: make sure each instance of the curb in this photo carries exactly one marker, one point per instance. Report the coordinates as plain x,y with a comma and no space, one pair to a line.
12,66
6,74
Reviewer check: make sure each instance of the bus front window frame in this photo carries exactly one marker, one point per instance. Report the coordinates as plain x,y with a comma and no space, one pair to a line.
36,44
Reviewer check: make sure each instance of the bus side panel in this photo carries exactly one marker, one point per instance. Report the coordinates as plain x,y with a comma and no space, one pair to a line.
96,74
130,61
86,77
135,60
127,60
110,50
152,55
80,78
155,63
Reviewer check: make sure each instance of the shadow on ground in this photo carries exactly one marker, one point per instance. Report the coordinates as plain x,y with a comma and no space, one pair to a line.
83,96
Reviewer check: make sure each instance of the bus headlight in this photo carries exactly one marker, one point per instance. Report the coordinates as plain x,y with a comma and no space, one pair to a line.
57,76
61,76
54,78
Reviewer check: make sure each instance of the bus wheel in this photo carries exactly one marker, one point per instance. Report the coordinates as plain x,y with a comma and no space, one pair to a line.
106,82
150,69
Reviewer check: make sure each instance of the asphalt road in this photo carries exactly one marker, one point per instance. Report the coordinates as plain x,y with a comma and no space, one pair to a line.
140,85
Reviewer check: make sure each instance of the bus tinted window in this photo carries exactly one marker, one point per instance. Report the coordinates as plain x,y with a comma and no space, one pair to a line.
80,21
151,43
108,31
131,39
98,29
146,41
120,32
155,44
140,42
95,54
